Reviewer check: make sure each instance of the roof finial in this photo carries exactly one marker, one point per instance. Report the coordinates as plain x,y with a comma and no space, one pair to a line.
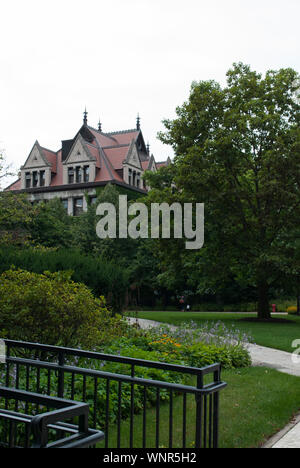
148,148
85,117
99,126
138,122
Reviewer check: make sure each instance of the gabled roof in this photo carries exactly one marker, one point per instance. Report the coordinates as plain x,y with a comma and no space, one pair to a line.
109,151
42,153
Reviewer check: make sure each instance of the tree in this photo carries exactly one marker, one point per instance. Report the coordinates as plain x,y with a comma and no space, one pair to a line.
238,150
15,218
5,169
50,225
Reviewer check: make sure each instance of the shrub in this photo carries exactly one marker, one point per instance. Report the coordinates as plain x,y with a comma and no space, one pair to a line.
51,308
102,277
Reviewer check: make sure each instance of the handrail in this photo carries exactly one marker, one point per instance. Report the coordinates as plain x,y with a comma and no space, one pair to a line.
39,424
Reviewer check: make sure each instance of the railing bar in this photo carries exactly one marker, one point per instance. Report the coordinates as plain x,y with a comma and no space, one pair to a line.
72,385
119,414
27,385
171,421
12,428
198,441
49,382
157,417
126,378
184,422
205,422
107,413
216,420
210,422
109,357
95,401
38,371
84,388
27,435
144,416
17,385
131,409
61,362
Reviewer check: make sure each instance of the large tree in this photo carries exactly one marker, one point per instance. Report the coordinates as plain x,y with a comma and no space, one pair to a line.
238,150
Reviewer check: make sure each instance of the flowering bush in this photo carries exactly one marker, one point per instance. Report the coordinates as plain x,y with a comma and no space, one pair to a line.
292,310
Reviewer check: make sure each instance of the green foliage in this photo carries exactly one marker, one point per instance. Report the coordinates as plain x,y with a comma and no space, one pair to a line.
51,308
50,225
15,218
101,276
238,151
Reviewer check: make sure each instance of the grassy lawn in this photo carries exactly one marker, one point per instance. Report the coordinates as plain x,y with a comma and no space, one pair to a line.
273,335
257,403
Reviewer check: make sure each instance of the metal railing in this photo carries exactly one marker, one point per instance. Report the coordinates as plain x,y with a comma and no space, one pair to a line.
76,374
20,429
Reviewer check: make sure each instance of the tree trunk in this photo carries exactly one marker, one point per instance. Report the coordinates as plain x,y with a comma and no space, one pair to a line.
263,301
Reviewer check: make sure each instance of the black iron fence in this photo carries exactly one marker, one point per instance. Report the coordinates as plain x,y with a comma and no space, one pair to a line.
26,420
131,410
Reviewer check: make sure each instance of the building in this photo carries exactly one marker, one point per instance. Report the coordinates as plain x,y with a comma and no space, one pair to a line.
91,159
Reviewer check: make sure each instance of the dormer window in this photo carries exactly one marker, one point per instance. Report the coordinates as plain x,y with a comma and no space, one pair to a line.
78,174
86,173
35,179
70,175
42,178
27,180
129,176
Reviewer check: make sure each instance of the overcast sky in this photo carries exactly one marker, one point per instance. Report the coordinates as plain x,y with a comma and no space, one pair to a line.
121,57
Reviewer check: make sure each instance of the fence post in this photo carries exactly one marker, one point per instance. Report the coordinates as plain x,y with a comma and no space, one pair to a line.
217,378
199,412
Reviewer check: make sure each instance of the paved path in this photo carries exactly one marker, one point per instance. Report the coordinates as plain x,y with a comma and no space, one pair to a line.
282,361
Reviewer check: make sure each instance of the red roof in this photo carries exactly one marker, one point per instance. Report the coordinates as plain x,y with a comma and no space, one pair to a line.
108,149
116,155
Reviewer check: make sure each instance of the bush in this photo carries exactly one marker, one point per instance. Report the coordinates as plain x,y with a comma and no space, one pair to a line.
50,308
292,310
102,277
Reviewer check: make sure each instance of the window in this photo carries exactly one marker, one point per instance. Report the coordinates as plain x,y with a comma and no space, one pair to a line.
35,179
134,178
86,173
77,206
65,204
27,179
78,174
42,178
93,199
138,179
70,175
129,176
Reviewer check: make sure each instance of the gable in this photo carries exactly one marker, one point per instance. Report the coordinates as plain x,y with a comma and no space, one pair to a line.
79,153
133,156
35,158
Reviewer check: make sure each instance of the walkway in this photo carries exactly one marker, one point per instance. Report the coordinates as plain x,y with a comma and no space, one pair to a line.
282,361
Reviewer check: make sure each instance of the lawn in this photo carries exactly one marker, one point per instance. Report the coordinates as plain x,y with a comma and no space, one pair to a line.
274,335
256,404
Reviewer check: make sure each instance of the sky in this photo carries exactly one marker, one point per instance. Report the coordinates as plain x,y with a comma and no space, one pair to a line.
123,57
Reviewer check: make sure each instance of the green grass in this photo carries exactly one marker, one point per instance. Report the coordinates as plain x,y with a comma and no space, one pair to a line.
274,335
256,404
